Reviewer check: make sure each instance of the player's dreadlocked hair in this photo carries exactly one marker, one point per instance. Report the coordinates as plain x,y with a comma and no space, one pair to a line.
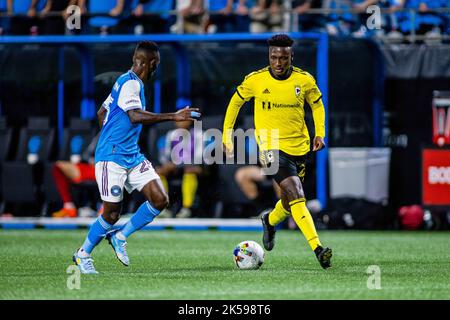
280,40
149,46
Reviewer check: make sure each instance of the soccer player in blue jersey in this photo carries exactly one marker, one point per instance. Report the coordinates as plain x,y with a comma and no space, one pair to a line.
119,163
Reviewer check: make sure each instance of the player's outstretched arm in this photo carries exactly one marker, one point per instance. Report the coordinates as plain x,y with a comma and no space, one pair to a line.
234,106
144,117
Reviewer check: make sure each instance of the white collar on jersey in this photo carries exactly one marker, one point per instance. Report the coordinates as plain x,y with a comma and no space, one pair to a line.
139,79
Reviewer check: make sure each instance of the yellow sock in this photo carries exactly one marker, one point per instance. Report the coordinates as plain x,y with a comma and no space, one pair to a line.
188,189
278,214
165,183
304,221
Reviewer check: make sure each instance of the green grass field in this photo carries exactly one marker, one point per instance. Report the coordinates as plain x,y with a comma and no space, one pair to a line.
199,265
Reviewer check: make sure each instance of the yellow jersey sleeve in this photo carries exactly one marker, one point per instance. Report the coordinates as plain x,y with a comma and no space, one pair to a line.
233,108
245,89
244,92
314,98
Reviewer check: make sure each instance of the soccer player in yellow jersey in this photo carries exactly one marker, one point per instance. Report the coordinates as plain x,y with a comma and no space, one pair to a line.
280,91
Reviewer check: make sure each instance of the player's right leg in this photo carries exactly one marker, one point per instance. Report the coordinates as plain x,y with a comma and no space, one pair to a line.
110,179
270,219
157,200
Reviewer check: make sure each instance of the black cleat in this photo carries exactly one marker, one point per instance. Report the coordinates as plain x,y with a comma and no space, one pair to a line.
324,256
269,231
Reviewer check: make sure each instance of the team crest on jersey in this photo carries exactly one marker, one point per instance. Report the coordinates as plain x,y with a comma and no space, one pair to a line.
297,90
116,191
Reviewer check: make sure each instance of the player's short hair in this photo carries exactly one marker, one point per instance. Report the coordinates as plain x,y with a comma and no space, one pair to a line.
280,40
148,46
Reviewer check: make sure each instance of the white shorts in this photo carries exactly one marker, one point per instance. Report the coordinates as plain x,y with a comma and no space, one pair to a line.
112,178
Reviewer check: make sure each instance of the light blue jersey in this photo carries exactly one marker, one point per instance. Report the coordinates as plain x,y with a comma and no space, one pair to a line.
119,138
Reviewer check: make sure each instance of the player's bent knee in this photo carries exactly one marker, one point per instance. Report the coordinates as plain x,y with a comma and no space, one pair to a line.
112,217
160,201
112,212
292,189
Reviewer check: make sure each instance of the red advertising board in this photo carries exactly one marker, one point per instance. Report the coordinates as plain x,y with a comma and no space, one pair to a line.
436,177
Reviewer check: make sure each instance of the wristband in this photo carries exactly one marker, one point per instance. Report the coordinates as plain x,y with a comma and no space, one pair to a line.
195,114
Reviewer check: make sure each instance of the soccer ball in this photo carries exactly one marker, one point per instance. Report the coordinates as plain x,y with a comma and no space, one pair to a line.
248,255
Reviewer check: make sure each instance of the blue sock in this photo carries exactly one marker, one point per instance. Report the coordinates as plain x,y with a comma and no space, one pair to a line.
96,233
143,216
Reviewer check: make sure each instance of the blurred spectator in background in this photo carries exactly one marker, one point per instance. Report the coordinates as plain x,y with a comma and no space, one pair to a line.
66,173
342,24
25,16
242,11
114,16
55,14
221,18
425,22
4,19
389,20
181,162
360,6
153,16
266,16
229,16
192,15
308,22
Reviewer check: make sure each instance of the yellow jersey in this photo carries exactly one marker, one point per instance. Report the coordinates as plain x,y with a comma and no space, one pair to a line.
279,113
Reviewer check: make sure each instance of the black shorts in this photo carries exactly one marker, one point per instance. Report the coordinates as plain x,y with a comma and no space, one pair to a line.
288,165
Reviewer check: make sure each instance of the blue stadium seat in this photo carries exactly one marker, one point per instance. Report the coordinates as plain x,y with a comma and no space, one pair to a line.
157,6
102,7
22,6
76,139
4,21
2,5
77,136
21,180
215,5
432,19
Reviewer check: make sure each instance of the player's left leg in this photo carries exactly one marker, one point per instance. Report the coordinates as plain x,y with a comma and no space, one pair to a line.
292,196
143,178
271,218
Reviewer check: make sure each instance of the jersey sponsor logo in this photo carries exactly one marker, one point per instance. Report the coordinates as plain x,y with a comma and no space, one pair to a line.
438,175
269,105
266,157
116,190
132,101
266,91
116,87
264,103
297,90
